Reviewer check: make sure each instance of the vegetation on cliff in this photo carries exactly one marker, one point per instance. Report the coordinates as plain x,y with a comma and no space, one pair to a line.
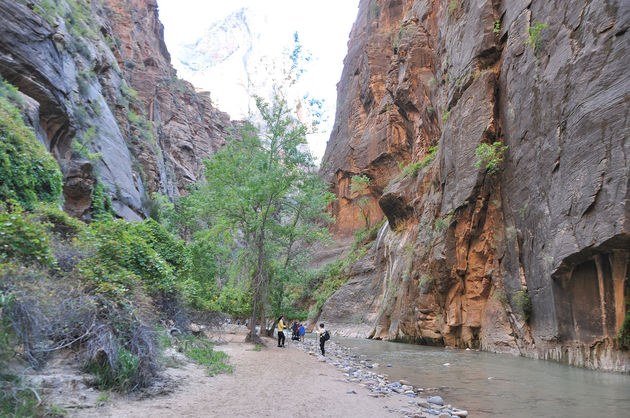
99,289
28,173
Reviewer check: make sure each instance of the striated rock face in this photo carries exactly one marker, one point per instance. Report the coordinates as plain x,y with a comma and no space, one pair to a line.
531,260
100,88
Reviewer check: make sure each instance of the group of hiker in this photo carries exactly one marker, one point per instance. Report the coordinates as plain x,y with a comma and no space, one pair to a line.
298,332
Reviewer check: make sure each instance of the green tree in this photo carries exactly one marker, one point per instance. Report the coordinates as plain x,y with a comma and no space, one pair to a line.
262,191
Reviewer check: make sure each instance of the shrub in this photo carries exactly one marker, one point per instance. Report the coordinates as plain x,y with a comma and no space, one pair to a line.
412,169
23,239
101,207
120,376
123,252
490,156
523,304
497,27
28,173
534,38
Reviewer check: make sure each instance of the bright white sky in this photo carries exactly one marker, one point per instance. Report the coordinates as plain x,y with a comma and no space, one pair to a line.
323,27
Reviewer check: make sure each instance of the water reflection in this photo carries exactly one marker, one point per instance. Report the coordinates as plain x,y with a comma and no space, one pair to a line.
501,385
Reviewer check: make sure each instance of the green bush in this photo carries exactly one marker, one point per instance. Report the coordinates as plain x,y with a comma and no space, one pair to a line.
28,173
534,38
121,377
490,156
101,207
523,304
412,170
121,246
23,239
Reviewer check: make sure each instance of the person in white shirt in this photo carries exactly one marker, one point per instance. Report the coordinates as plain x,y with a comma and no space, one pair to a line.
323,337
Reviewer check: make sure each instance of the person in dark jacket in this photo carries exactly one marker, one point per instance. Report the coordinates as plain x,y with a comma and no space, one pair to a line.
323,337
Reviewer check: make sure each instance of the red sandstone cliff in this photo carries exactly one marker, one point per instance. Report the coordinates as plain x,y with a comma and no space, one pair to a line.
465,252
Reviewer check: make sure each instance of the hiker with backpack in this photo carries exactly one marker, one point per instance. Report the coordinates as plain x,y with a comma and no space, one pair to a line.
324,336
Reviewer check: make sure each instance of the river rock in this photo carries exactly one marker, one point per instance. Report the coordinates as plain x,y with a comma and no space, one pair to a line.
460,412
445,415
436,400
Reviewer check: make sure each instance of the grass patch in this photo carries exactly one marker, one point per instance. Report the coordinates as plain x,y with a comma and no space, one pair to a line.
202,352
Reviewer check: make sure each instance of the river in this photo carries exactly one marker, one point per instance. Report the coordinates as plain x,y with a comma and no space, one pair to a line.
489,385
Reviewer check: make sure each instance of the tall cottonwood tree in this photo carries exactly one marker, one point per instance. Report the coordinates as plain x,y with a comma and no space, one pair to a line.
262,189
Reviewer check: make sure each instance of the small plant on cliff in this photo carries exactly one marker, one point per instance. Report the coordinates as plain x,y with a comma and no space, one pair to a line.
358,186
534,38
452,6
624,333
412,170
445,115
497,27
490,156
523,304
397,39
375,10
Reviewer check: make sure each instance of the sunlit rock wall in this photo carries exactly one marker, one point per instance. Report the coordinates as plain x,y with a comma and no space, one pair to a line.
464,252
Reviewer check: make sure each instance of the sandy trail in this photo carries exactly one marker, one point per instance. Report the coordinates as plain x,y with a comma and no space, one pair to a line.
274,382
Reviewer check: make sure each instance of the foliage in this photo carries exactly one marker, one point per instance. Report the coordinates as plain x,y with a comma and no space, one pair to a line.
534,38
359,184
28,173
445,115
412,169
121,376
23,239
523,304
452,6
497,27
334,275
375,9
260,208
201,351
624,333
126,252
101,207
398,38
490,156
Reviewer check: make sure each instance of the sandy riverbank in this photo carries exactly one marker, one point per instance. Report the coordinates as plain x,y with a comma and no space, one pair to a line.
278,382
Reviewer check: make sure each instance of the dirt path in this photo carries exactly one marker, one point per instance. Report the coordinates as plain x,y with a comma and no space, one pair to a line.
274,382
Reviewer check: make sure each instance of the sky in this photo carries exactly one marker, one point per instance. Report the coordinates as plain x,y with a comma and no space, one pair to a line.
323,27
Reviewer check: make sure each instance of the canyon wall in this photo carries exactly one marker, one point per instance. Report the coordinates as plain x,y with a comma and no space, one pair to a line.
531,258
101,93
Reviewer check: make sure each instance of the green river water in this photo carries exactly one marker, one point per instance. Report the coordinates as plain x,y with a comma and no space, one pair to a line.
490,385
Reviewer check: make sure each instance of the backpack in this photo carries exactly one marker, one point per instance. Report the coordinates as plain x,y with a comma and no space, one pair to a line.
326,336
